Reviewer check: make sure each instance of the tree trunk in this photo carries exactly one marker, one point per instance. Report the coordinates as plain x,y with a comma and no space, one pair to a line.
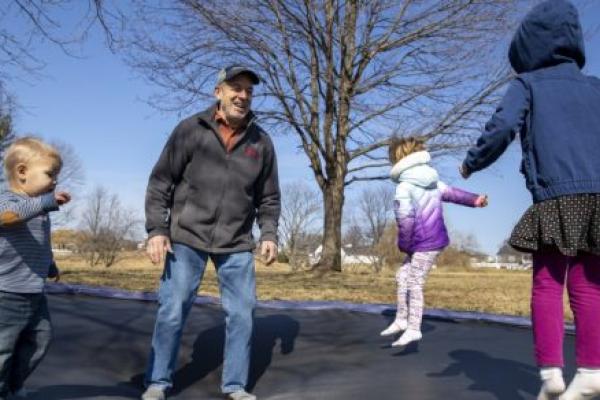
333,195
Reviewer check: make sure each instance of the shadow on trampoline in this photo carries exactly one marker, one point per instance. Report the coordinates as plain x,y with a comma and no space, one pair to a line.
505,379
207,355
66,392
206,358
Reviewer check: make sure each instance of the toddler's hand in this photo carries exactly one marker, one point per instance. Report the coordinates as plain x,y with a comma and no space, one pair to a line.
62,198
481,201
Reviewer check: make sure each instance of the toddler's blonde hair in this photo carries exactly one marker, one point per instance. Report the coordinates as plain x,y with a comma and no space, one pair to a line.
401,147
27,150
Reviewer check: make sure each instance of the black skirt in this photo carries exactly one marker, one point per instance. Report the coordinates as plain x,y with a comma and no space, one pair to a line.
569,223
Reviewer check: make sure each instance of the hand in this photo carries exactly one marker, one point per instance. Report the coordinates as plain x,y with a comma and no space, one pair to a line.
157,248
462,169
62,198
481,201
54,273
268,251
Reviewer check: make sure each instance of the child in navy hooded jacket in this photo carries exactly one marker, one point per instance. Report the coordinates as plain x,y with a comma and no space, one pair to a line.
422,234
555,109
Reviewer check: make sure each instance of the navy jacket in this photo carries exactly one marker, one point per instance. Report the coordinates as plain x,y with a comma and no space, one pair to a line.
552,106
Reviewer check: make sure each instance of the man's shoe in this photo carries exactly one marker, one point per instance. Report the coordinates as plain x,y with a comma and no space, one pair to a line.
154,392
240,395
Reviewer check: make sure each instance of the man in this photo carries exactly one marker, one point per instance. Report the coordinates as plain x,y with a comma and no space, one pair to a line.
216,174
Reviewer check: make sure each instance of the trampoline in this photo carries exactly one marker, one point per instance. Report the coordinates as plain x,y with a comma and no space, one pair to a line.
101,346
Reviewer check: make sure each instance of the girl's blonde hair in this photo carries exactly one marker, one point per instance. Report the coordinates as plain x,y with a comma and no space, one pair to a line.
401,147
26,150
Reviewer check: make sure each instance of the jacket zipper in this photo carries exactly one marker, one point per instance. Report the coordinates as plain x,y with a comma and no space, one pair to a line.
227,156
218,212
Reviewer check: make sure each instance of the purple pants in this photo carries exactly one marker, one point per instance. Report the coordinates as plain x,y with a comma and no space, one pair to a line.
551,270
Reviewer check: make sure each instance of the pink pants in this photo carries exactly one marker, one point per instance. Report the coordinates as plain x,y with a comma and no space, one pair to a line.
551,270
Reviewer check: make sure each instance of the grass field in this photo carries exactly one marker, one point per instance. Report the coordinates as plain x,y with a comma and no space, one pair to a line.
497,291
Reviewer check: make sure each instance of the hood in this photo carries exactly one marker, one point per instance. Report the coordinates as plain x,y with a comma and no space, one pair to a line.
414,169
550,34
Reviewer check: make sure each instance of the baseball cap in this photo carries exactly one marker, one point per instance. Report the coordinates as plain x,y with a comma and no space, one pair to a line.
232,71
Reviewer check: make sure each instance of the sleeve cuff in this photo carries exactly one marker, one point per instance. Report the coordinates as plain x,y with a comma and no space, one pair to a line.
465,169
49,202
268,237
159,232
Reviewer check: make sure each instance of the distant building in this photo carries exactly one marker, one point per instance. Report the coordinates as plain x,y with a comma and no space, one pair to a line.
506,258
350,255
62,251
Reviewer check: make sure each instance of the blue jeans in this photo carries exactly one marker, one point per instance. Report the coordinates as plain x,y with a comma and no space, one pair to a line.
178,286
25,333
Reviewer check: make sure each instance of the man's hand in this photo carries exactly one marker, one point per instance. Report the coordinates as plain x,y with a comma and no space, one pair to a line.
62,198
268,251
157,248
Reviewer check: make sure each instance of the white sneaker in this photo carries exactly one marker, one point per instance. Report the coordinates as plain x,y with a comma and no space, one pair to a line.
584,386
397,326
410,335
553,383
154,392
241,395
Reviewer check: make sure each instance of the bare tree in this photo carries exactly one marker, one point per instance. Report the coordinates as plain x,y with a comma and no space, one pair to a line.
25,24
375,206
506,249
465,242
462,247
342,75
71,179
353,234
300,208
106,228
7,134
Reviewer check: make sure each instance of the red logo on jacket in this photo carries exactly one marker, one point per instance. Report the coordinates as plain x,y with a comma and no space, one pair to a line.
251,152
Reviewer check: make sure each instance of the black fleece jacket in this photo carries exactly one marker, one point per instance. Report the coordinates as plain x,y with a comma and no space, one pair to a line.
205,197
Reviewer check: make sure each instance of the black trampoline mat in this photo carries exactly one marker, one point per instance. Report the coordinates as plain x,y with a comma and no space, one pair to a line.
101,346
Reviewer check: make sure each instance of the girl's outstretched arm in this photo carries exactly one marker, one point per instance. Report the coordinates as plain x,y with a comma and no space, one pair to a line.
405,218
500,130
457,196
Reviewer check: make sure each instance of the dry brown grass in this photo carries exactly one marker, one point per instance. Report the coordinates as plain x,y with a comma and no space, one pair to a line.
498,291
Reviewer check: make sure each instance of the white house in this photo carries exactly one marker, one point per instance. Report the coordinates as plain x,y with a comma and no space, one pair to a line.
349,256
515,262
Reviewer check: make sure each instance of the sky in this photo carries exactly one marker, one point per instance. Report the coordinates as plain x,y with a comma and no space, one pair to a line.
96,104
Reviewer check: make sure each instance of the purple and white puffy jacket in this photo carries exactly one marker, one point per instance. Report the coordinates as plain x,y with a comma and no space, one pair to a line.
418,204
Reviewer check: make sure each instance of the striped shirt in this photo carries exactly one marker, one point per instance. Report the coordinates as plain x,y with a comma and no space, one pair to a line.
25,251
